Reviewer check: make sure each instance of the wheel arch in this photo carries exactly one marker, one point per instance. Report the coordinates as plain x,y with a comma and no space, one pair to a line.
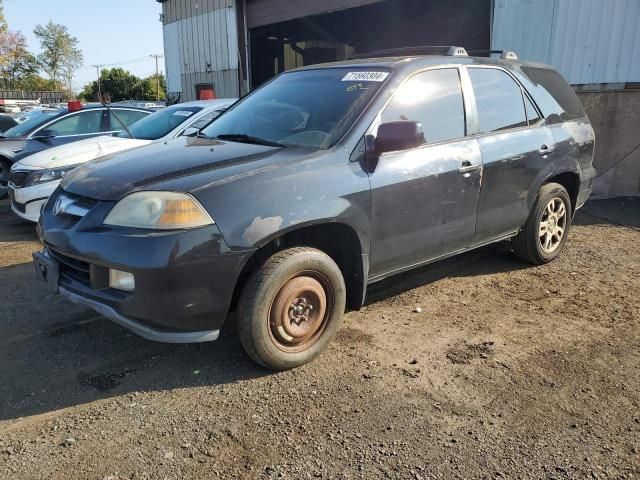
570,180
338,240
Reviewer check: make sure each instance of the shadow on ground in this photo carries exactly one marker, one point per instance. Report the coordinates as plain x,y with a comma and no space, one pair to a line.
58,355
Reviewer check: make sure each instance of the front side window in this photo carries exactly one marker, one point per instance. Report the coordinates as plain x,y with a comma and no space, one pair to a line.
78,124
434,99
499,100
310,108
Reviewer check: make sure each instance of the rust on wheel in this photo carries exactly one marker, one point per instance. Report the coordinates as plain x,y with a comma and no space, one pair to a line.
300,312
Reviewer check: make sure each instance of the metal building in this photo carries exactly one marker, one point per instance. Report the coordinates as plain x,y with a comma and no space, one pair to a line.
227,47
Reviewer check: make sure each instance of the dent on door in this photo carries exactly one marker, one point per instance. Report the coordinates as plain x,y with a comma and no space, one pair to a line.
424,204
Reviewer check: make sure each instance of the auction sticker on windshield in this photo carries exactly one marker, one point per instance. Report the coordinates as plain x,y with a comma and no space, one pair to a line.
183,113
365,77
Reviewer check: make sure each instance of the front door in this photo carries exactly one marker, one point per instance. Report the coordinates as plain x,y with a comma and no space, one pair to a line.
424,200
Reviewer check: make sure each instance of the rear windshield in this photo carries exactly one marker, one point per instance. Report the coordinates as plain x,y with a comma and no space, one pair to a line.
554,95
25,128
160,123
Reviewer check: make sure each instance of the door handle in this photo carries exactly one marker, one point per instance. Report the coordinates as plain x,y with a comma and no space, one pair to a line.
468,167
545,150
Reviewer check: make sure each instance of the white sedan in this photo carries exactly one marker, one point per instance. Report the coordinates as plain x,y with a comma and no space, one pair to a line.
34,178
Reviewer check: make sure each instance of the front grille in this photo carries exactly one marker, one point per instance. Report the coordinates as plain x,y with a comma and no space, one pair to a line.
18,178
72,267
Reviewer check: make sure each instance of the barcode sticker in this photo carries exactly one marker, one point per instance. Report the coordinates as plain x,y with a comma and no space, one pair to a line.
365,77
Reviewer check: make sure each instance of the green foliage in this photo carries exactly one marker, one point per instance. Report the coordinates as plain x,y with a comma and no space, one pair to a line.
16,62
117,84
60,55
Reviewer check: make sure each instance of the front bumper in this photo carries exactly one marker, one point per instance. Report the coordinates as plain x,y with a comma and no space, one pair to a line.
27,202
184,280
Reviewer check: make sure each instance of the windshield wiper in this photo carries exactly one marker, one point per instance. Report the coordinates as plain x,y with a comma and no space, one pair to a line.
244,138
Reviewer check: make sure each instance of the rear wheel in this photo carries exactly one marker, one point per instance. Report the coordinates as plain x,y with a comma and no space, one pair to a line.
543,236
291,308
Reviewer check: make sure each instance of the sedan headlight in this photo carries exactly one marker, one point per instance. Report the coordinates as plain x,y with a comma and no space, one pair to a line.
47,175
158,211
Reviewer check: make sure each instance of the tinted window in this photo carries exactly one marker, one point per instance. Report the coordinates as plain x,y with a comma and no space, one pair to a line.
78,124
127,116
310,108
160,123
499,100
533,116
553,94
434,99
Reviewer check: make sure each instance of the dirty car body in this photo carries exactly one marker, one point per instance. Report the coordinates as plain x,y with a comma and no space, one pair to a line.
310,178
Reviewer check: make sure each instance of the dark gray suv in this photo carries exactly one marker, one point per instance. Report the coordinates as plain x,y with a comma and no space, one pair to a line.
321,182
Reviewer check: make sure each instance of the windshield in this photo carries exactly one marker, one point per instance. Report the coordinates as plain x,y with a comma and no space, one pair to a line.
312,108
23,129
160,123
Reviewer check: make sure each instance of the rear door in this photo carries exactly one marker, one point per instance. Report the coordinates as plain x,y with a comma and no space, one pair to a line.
424,200
516,151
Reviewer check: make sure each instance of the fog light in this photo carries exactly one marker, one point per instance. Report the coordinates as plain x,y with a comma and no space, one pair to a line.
121,280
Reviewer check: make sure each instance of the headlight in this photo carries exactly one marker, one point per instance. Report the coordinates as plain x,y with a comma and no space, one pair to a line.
159,211
47,175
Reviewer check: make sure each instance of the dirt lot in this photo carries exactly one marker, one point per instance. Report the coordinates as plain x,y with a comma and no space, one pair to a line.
508,371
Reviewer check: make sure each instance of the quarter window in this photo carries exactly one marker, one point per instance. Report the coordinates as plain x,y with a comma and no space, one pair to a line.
78,124
499,100
532,114
433,98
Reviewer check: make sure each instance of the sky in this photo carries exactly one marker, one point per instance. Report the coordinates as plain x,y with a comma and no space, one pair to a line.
108,31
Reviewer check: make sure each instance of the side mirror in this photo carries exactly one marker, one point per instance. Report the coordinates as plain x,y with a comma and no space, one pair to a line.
402,135
44,134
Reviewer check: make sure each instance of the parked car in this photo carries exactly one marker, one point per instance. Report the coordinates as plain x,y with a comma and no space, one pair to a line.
35,177
58,127
6,122
326,179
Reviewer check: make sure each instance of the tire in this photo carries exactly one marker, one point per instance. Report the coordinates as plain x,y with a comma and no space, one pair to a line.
291,308
543,236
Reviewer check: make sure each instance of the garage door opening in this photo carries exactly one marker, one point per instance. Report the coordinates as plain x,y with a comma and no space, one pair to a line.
387,24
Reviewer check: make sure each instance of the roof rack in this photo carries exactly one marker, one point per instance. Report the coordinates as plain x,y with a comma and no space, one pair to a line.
504,54
423,50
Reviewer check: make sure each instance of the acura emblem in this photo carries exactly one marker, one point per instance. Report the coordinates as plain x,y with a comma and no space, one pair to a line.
61,205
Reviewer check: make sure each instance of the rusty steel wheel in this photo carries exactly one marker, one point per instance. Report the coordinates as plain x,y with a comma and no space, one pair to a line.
299,312
291,308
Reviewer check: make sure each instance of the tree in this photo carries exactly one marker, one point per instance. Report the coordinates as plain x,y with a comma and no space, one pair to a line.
155,87
60,53
118,84
16,62
3,21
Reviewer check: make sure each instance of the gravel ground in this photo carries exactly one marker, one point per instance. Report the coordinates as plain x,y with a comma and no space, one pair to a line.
476,367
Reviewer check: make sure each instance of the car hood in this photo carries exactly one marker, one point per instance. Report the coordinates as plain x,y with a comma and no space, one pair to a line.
184,164
80,152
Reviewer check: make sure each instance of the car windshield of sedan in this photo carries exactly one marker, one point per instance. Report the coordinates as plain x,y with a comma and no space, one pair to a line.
25,128
160,123
309,108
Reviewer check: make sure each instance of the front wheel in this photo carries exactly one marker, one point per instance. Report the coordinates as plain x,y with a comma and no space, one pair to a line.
543,236
291,308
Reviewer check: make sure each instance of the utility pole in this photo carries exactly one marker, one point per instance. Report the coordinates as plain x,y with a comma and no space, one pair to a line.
98,67
157,56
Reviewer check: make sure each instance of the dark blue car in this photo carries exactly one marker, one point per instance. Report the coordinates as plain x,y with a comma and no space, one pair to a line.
57,127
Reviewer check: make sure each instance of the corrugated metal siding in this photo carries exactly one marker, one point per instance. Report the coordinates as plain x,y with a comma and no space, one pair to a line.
264,12
175,10
204,49
588,41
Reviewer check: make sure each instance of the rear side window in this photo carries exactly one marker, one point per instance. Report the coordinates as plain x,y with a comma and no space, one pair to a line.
79,124
553,94
433,98
128,117
533,116
499,100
